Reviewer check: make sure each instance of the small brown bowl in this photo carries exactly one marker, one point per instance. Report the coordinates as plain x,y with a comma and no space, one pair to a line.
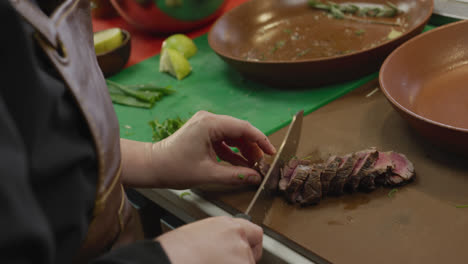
114,60
426,81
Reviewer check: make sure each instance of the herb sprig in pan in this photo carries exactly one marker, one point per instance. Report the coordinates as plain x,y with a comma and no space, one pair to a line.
340,11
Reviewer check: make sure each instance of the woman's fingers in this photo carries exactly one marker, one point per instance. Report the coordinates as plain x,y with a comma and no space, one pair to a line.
250,150
237,175
229,127
225,153
254,236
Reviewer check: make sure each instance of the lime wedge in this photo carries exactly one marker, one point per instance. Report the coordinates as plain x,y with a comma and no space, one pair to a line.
174,63
107,40
182,44
394,34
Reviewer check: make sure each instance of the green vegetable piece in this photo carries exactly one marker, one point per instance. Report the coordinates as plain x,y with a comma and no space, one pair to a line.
462,206
138,95
184,194
241,176
278,44
363,11
339,10
152,88
359,32
303,52
392,192
129,101
393,6
318,5
288,31
336,12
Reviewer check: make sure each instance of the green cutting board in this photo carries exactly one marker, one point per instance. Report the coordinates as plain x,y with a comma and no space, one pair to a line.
214,86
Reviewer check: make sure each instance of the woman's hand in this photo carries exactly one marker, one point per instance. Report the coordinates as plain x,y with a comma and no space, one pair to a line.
214,240
188,157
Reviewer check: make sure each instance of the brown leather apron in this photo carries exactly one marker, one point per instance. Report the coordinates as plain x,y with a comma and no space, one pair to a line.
66,38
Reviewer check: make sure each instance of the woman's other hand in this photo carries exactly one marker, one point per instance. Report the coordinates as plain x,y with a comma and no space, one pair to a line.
188,157
214,240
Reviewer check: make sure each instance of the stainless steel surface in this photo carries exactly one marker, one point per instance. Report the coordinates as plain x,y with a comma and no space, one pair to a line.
192,207
261,202
451,8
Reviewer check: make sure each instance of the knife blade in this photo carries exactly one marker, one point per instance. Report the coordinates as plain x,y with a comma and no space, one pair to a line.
262,200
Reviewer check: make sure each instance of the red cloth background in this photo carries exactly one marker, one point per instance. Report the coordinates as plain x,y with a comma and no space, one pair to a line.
145,45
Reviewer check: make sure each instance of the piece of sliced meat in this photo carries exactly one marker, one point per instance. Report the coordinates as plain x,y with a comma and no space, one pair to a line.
329,173
293,190
366,160
345,169
287,171
312,191
377,173
262,167
402,171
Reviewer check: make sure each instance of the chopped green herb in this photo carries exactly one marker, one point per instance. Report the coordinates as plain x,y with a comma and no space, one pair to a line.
166,128
359,32
184,194
303,52
241,176
278,45
287,31
462,206
392,193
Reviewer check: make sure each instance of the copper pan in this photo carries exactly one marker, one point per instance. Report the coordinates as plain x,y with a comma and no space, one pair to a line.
246,38
426,81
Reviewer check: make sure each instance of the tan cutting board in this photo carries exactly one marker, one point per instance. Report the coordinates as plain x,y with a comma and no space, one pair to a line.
418,224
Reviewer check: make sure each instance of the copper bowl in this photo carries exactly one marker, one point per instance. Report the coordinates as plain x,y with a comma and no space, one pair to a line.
113,61
168,16
102,9
426,81
246,38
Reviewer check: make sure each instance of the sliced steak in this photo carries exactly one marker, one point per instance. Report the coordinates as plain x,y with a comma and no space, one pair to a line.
402,171
287,171
294,187
366,160
262,167
377,173
312,191
345,169
329,173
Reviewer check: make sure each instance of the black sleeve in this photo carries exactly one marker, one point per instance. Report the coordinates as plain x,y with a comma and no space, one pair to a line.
26,235
148,252
48,166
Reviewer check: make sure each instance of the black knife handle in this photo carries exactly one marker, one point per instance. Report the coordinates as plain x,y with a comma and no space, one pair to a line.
243,216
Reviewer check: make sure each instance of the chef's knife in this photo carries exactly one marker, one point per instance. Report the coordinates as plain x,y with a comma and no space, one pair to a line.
262,200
